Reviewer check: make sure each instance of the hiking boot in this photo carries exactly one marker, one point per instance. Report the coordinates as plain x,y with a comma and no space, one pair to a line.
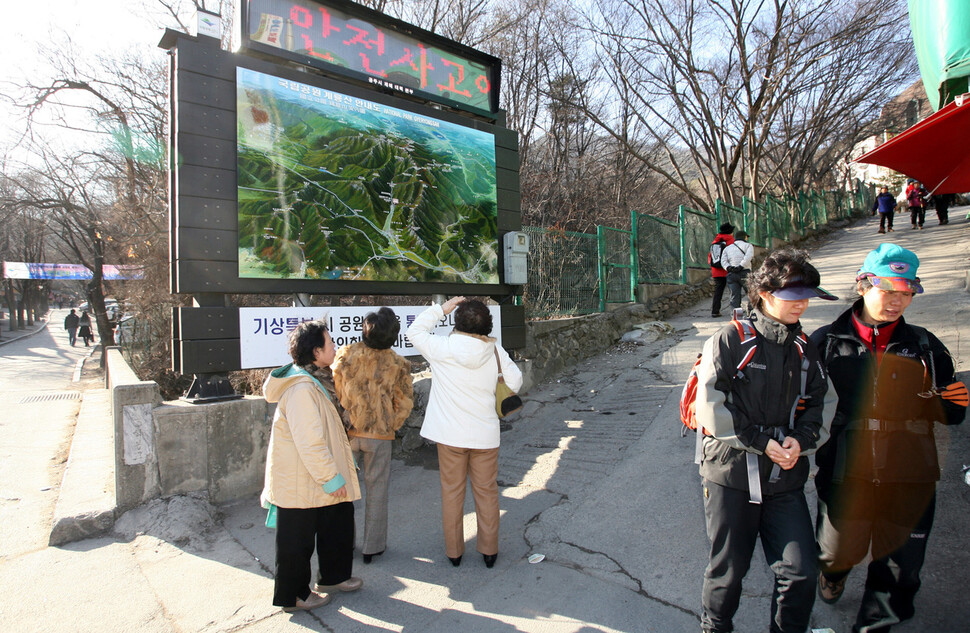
881,231
891,230
829,591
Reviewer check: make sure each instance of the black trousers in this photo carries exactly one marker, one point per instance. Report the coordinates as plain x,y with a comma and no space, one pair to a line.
917,215
719,285
885,218
331,530
895,520
785,527
943,212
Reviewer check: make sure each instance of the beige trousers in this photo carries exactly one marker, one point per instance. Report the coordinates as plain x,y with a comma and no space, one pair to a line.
456,466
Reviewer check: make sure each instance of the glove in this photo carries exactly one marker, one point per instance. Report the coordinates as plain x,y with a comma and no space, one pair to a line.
801,405
956,393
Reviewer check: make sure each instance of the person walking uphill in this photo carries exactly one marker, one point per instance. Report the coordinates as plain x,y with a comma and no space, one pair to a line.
311,481
71,324
376,390
759,425
737,262
877,476
461,417
718,272
885,204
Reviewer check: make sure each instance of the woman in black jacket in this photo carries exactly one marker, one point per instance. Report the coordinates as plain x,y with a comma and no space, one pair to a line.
760,422
877,476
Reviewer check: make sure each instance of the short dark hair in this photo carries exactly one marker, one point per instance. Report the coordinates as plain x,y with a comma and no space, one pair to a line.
780,268
305,338
472,317
381,329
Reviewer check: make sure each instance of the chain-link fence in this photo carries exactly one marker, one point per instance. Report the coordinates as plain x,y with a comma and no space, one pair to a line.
563,273
577,273
657,244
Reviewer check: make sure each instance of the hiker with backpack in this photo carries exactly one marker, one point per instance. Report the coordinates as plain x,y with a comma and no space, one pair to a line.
877,476
737,262
763,404
723,238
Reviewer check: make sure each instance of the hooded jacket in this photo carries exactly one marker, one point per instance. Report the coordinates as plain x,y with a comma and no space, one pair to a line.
309,454
883,427
461,406
728,240
375,389
743,411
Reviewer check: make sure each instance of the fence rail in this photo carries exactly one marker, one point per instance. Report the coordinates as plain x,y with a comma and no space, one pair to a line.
579,273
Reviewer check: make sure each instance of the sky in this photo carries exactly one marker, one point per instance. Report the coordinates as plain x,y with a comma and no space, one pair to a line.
34,28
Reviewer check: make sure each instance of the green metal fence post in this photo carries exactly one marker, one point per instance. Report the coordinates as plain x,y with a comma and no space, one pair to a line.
634,257
600,264
683,244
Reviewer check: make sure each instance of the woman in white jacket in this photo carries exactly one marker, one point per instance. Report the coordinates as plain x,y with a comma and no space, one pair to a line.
461,418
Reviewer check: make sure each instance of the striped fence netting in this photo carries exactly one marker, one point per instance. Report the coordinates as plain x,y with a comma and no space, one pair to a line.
699,229
658,249
563,273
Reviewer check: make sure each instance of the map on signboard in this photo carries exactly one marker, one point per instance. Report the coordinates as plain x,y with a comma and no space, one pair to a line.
337,187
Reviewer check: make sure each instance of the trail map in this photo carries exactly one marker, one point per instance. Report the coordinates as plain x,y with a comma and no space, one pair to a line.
336,187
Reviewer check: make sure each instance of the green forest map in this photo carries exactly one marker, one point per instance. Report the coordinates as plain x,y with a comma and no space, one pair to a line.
334,187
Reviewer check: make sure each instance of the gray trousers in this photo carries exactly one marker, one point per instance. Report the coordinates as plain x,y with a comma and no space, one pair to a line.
375,458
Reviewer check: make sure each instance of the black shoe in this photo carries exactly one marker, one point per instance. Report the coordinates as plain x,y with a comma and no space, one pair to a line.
455,561
715,315
369,557
489,560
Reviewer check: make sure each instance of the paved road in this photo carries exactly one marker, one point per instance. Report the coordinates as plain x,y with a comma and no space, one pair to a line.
39,404
594,475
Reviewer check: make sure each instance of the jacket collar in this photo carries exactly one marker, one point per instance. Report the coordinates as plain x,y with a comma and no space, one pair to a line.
774,331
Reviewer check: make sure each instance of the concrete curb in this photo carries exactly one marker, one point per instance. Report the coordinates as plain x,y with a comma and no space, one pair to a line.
19,335
86,503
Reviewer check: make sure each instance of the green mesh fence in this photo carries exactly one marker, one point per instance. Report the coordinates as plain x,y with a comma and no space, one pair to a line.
563,273
566,268
658,250
729,213
699,229
759,225
616,249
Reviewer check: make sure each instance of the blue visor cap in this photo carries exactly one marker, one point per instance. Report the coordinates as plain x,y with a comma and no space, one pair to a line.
798,291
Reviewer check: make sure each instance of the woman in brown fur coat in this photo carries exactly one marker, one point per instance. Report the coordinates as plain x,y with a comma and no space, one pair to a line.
375,388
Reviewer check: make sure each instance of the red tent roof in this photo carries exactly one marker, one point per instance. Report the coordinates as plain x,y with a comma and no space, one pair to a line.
935,151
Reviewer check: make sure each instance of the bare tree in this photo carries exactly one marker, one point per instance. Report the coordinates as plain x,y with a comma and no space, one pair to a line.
698,91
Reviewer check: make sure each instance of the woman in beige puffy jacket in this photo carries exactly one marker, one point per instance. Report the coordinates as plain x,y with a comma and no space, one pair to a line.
311,481
375,388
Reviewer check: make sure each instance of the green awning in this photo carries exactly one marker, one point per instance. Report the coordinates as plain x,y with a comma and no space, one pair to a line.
941,34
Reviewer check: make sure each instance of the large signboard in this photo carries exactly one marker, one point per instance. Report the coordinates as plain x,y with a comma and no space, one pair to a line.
263,332
351,40
332,186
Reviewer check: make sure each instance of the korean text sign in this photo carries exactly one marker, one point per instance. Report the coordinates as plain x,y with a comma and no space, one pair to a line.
263,332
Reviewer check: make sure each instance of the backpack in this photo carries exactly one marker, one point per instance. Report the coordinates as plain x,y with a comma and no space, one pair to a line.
748,346
717,250
688,396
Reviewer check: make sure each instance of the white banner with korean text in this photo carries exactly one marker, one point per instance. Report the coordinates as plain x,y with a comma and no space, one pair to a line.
263,332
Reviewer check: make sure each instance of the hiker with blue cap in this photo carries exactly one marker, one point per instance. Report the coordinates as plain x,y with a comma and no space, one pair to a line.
764,404
877,474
